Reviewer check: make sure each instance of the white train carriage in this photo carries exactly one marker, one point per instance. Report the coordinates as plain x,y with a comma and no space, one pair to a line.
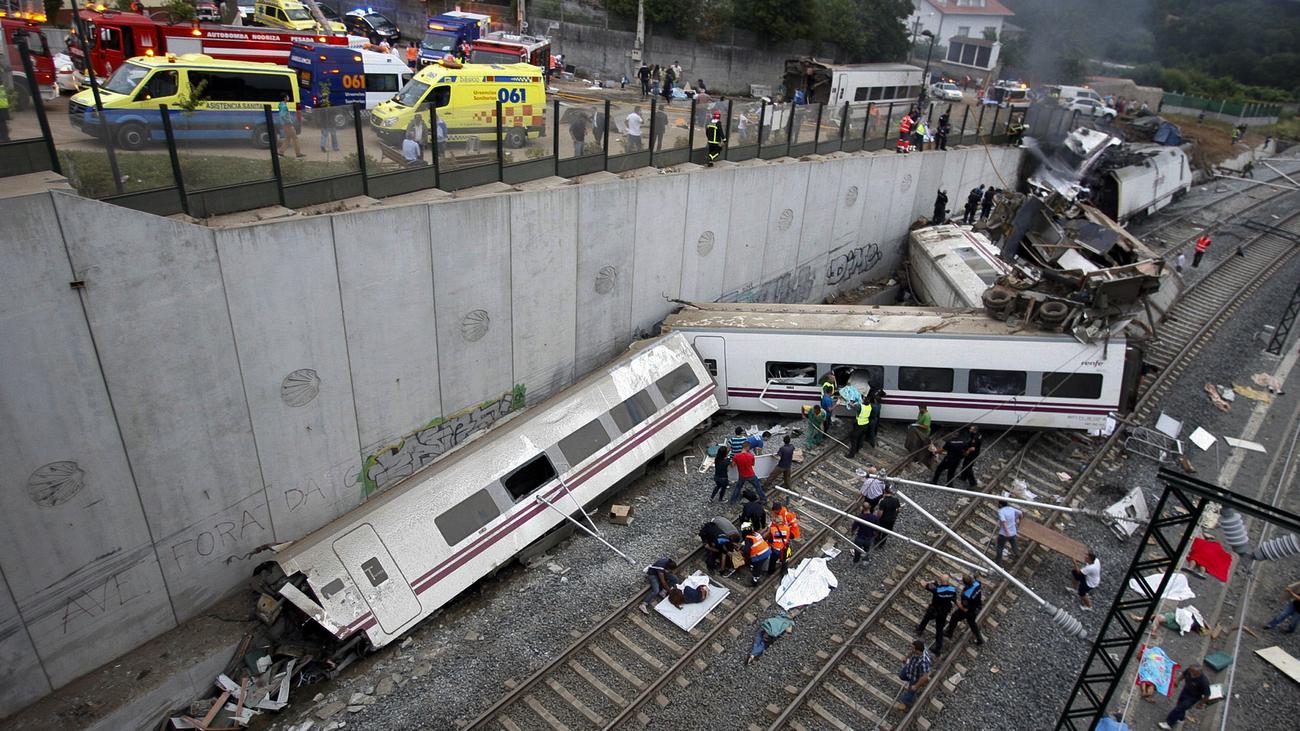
964,366
391,562
1141,189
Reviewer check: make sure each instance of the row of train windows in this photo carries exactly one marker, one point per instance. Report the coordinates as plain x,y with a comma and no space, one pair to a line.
480,508
942,380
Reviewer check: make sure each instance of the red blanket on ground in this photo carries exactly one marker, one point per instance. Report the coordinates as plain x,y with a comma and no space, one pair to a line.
1212,556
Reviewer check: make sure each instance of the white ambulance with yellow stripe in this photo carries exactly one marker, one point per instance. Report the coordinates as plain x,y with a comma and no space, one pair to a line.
466,96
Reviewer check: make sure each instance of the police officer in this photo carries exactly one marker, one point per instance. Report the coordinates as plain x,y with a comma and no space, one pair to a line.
953,450
863,419
716,135
942,596
969,602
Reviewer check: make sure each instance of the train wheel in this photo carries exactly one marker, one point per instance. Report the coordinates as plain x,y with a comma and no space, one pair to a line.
1053,313
997,302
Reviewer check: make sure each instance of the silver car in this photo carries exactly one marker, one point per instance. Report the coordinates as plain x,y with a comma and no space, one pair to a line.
946,91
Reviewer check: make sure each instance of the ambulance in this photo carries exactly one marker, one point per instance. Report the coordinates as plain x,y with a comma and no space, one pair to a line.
465,96
331,79
292,15
239,90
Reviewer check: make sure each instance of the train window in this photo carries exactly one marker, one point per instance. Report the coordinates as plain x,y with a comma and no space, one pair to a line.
862,377
331,588
711,366
374,571
681,381
467,516
633,411
792,374
999,383
1072,385
916,378
584,442
531,475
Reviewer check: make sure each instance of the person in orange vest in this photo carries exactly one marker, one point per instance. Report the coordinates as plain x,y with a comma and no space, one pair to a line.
412,54
758,550
784,530
1202,244
904,134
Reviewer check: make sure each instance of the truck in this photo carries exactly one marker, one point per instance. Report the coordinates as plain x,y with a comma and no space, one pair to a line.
28,25
1008,95
810,81
450,33
116,36
502,47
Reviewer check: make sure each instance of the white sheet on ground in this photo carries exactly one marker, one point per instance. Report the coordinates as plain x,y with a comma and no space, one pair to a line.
1184,616
691,614
1177,591
809,582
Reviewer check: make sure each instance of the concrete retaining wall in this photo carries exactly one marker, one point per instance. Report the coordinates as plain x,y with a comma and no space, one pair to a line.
198,393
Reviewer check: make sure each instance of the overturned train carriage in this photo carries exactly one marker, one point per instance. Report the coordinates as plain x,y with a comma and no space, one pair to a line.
381,568
961,364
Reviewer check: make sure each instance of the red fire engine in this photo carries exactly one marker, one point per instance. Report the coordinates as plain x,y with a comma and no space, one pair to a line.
117,36
28,24
502,47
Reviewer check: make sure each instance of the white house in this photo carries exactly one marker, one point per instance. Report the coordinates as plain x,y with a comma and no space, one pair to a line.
962,27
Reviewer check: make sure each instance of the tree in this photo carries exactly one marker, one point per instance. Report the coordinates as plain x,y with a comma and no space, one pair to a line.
182,11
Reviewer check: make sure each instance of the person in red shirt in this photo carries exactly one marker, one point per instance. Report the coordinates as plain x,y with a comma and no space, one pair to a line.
1202,244
744,461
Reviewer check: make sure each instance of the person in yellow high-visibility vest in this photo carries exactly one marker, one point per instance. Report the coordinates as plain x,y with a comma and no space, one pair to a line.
4,112
716,135
860,426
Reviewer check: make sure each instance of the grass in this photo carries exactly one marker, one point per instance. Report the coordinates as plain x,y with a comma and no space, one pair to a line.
92,176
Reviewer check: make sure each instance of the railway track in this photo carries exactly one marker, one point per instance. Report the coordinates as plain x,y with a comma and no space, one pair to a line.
858,683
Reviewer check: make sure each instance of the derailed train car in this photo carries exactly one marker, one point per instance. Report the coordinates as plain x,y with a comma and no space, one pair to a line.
369,576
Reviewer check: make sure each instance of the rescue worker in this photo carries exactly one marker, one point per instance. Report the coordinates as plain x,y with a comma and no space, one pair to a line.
829,389
986,205
942,596
753,511
953,450
969,602
941,137
973,441
919,130
1016,130
717,537
4,112
1202,244
940,208
758,551
876,396
904,134
412,55
861,422
972,205
716,136
785,530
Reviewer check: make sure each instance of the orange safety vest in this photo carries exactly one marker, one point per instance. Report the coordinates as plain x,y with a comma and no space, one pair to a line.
905,125
790,521
1203,243
780,533
758,546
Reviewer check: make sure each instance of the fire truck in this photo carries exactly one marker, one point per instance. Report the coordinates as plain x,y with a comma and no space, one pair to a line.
117,36
42,62
502,47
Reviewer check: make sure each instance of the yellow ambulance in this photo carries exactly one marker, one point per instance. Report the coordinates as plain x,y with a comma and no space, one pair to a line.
292,15
465,96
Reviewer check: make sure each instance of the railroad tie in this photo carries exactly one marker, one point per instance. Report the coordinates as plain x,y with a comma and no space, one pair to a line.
544,714
829,717
657,635
573,700
851,704
636,649
617,667
596,683
868,687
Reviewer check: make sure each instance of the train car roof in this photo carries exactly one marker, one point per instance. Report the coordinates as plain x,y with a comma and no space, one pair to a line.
845,319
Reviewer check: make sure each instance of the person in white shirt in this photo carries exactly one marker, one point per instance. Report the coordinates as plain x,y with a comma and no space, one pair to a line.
1086,578
872,487
411,149
1008,528
633,125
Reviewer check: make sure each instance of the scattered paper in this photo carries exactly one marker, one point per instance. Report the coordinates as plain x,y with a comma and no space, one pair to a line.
1252,393
1244,444
1169,426
1203,439
1267,381
1063,476
831,552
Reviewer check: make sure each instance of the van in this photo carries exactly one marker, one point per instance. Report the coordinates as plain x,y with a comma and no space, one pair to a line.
239,90
465,96
333,76
292,15
1070,93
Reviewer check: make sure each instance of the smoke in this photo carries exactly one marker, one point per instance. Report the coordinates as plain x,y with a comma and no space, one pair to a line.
1060,38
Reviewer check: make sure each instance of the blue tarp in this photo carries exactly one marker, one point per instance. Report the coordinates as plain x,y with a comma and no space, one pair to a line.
1168,134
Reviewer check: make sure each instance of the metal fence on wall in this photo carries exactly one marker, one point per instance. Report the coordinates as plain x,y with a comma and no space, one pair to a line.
167,163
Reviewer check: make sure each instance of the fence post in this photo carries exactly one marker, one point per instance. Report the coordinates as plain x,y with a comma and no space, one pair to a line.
762,118
789,132
866,124
501,156
726,145
979,122
889,122
361,147
653,109
33,88
555,138
84,34
844,125
993,127
604,141
817,131
965,115
175,160
274,143
434,147
690,134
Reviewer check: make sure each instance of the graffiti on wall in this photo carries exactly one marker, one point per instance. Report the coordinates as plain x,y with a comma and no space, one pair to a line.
795,286
849,264
391,464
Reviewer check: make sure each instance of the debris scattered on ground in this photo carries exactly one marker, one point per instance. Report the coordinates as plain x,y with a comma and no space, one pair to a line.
1270,382
1212,391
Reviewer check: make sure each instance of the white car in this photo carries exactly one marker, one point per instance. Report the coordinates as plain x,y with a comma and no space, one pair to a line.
946,91
1092,108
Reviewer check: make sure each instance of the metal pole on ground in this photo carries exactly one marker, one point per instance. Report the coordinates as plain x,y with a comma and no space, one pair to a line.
175,159
38,104
361,147
274,144
1018,501
584,529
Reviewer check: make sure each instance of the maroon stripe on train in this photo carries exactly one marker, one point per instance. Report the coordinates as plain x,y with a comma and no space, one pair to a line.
940,401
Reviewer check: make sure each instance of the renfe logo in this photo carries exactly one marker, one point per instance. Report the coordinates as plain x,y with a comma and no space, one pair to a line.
1096,363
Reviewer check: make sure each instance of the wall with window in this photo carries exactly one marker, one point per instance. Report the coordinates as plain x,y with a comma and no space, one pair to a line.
207,391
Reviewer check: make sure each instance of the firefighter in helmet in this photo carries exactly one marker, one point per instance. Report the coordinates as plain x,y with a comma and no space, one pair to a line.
716,134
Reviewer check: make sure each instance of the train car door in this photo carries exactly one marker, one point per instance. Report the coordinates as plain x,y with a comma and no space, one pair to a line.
712,350
377,577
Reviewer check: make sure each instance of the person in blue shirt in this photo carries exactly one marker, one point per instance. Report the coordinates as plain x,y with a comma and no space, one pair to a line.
756,442
942,596
736,441
969,602
287,123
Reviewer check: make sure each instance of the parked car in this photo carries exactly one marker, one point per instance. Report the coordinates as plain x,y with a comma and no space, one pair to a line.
1092,108
371,25
946,91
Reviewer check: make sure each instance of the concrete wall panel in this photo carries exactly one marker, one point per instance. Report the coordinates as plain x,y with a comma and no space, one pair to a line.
471,288
906,182
158,311
845,209
658,254
787,211
706,232
605,272
928,184
22,680
284,305
750,200
386,279
544,261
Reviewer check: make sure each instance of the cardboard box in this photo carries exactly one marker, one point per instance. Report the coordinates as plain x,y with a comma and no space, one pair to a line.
620,514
